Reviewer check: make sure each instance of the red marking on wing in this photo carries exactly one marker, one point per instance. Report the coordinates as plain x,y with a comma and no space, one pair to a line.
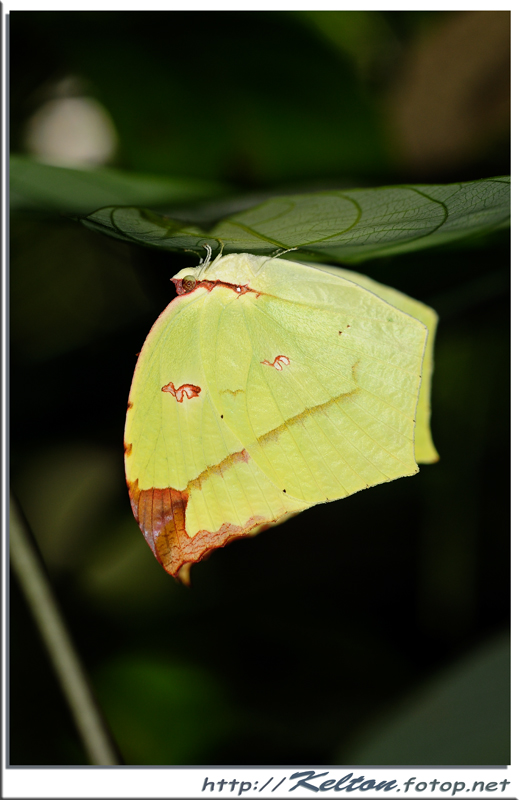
130,405
278,362
161,515
210,285
127,449
186,390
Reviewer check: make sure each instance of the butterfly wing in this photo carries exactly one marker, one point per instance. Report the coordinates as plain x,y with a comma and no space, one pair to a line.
192,484
250,404
425,451
319,380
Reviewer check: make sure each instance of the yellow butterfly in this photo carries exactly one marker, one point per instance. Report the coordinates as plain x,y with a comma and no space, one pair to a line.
265,387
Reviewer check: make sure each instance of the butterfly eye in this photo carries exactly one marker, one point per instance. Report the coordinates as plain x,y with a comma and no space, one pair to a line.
188,284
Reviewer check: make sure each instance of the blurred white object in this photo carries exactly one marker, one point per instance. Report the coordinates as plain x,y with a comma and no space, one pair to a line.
72,132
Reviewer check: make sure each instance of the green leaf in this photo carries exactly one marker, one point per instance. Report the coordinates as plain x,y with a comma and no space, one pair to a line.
346,226
45,187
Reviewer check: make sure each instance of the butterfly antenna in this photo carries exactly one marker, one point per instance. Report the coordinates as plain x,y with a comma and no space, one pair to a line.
186,250
282,252
204,263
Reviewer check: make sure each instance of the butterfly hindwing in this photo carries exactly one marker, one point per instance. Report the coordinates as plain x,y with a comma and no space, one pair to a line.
323,403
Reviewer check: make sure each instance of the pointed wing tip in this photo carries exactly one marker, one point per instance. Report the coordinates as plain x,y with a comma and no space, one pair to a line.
161,515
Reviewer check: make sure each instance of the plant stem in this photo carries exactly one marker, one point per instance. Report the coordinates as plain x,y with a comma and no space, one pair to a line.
35,585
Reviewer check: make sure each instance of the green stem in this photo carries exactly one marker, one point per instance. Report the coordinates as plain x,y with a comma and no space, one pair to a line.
31,574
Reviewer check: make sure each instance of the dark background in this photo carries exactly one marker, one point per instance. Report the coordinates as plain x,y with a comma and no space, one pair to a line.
369,630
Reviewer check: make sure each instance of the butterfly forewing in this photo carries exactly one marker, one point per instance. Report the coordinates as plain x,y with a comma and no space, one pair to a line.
192,485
